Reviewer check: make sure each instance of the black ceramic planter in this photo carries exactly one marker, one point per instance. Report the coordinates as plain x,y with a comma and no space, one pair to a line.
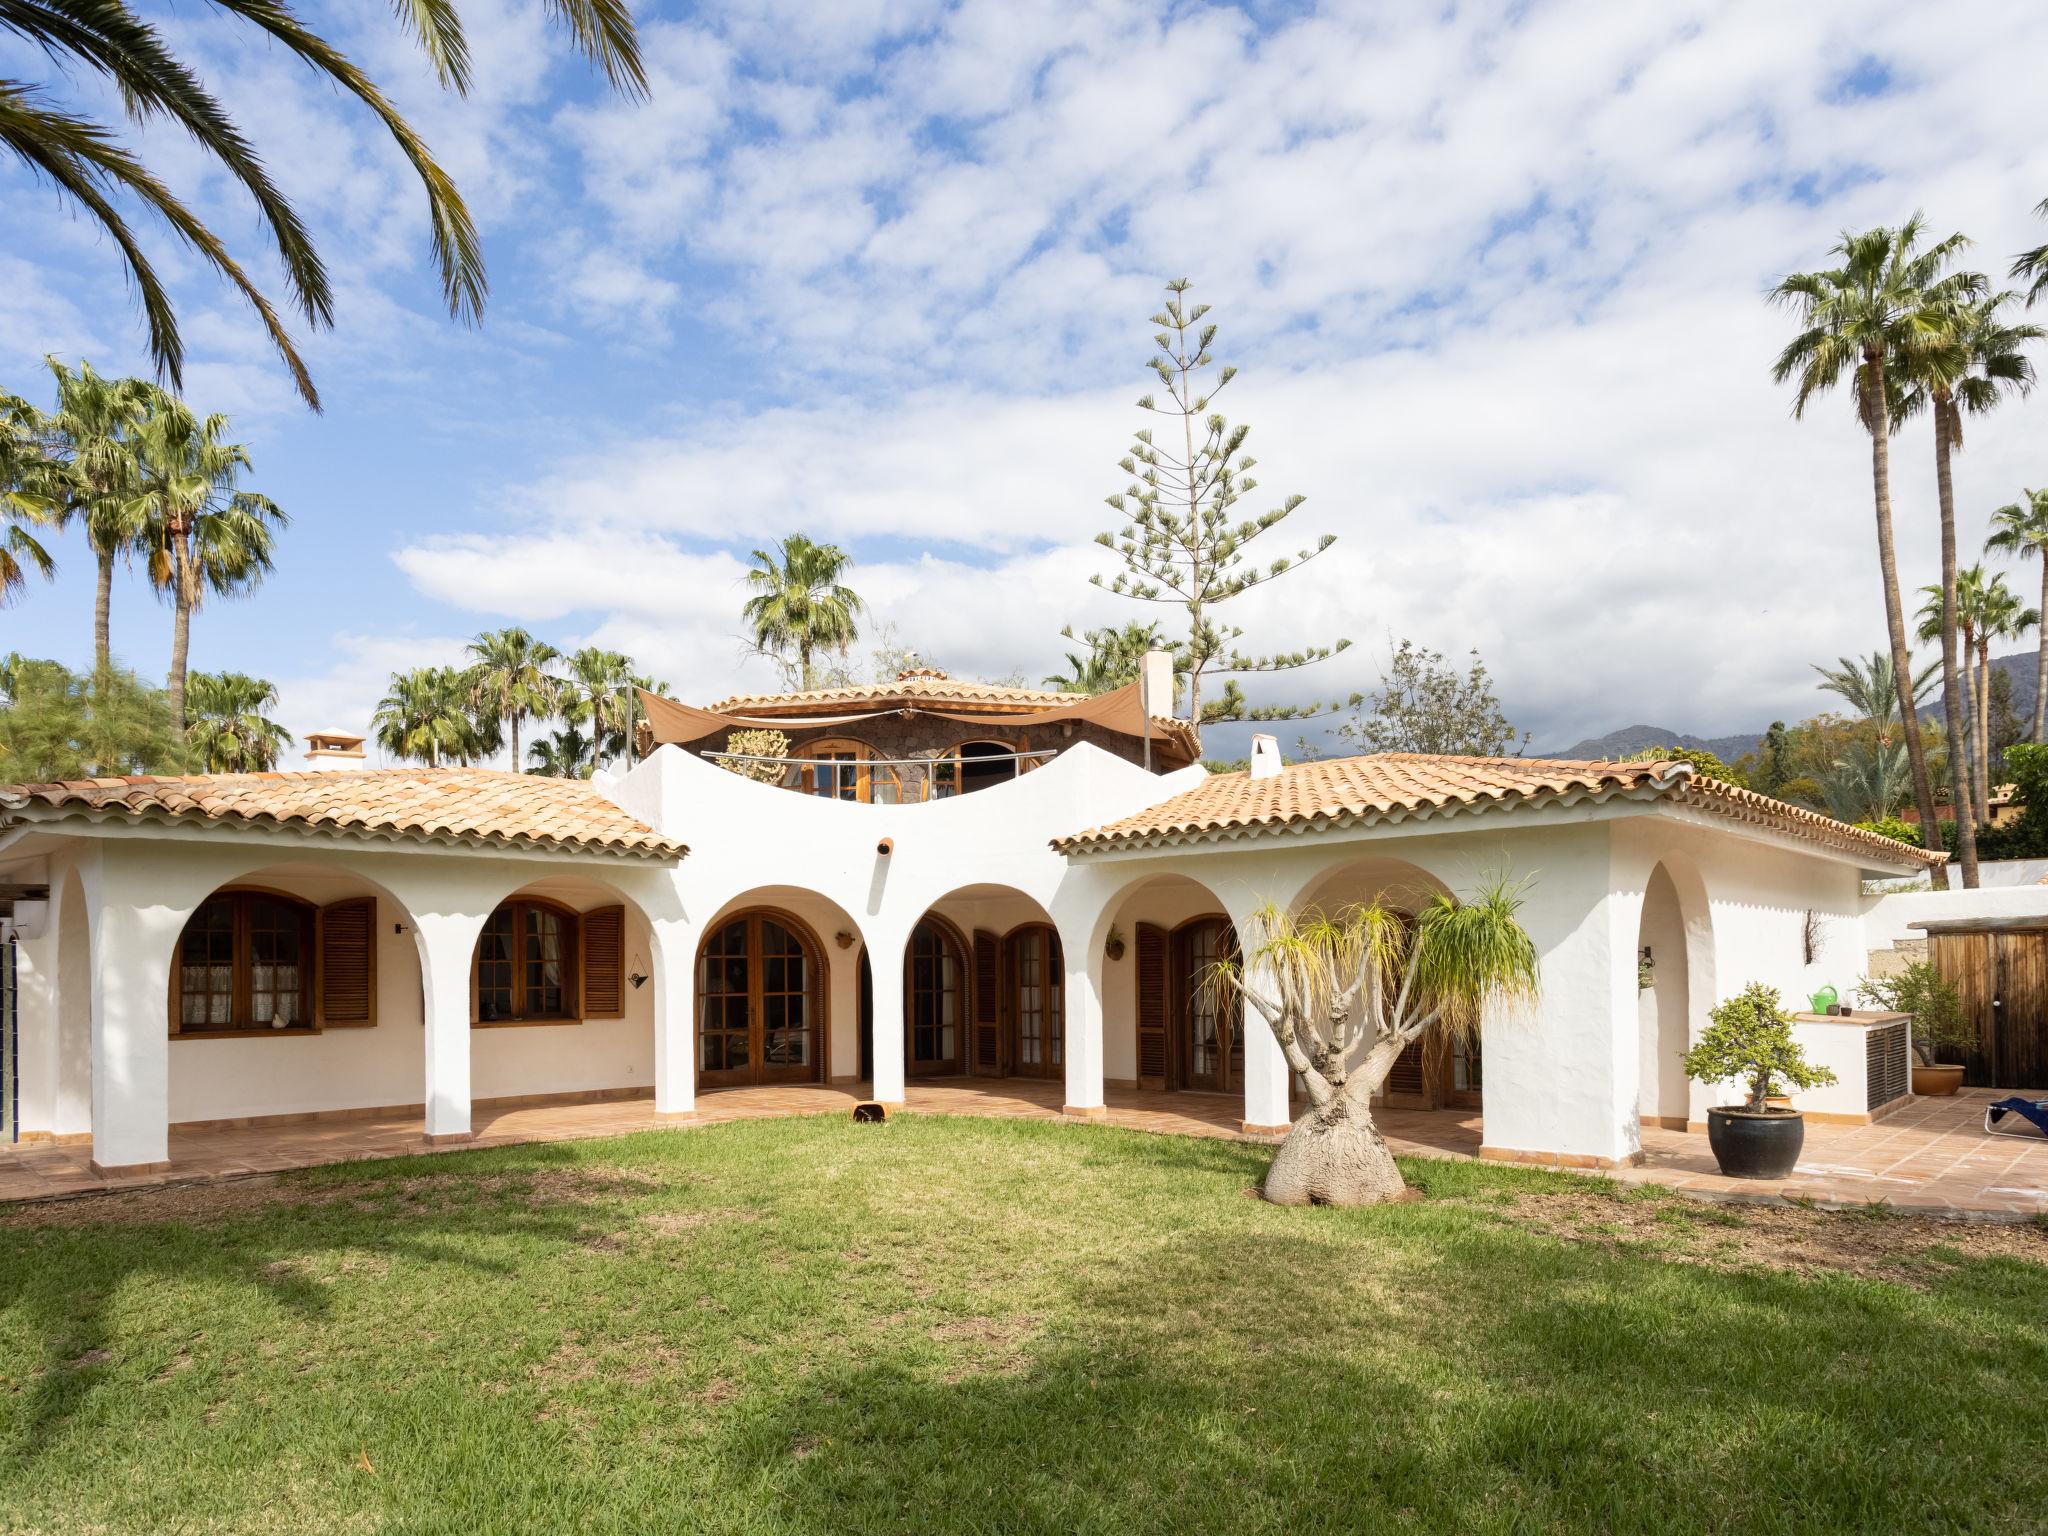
1751,1144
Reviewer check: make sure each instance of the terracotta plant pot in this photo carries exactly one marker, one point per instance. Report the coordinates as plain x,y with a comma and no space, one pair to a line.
1755,1144
1937,1081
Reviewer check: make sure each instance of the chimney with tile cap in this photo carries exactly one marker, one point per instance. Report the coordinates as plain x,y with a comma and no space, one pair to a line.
1265,756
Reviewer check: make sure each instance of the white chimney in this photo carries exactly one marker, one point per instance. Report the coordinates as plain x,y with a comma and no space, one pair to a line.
329,750
1155,683
1265,756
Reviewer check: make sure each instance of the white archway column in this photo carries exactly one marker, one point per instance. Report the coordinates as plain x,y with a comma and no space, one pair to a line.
446,943
132,947
1266,1110
885,966
675,1019
1081,999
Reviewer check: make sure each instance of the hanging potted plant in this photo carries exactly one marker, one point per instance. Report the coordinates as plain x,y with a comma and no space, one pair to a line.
1749,1039
1940,1032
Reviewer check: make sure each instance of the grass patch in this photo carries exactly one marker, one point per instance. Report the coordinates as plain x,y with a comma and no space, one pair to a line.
983,1325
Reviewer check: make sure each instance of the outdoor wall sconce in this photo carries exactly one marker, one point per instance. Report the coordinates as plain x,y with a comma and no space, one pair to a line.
637,976
885,847
843,939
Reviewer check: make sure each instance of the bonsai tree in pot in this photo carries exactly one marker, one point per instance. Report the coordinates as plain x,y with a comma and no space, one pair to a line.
1749,1039
1345,994
1940,1032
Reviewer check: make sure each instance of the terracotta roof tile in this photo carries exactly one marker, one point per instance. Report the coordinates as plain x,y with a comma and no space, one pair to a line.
914,690
1398,786
478,806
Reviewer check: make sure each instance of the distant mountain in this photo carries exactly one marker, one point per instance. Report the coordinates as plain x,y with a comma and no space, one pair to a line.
2023,667
1631,739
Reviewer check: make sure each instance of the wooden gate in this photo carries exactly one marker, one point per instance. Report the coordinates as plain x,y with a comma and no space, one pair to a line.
2003,978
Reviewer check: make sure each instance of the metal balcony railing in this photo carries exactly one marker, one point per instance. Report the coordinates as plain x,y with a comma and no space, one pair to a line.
882,780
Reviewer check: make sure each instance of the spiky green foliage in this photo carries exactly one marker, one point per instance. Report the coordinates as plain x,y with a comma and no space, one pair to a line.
200,534
1346,992
1184,540
2020,529
28,501
1111,662
90,434
1750,1039
597,694
1704,764
748,745
563,755
425,718
1865,321
1868,686
2033,265
84,160
229,727
512,678
801,606
61,725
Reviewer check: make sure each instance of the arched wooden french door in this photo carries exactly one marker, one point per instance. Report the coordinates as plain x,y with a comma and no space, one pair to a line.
934,1001
760,1002
1190,1031
1036,974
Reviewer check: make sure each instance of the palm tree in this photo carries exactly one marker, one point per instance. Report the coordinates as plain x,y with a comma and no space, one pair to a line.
92,433
511,680
201,533
598,693
1112,660
1968,608
2005,617
1870,689
801,604
1869,783
425,717
1858,320
2020,528
2034,264
1963,358
81,157
231,730
27,483
560,756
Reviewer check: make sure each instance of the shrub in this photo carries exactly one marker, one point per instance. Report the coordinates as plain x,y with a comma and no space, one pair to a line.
1899,831
1936,1006
1749,1037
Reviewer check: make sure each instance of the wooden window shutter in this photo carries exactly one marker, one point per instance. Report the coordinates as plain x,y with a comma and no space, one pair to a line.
988,991
1152,1037
347,945
604,963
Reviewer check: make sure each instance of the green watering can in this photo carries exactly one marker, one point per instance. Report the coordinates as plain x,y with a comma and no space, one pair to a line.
1824,999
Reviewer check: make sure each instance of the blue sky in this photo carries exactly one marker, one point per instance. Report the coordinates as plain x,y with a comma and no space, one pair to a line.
880,272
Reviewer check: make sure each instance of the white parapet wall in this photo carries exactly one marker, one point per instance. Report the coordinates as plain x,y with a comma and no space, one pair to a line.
1888,920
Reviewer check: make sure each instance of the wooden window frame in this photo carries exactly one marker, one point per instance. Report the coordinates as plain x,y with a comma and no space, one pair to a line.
571,962
963,993
243,897
1180,1008
1053,1063
817,995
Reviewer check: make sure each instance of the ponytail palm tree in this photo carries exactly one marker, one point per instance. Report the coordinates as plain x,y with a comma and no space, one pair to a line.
202,535
106,40
2020,529
511,680
1858,322
231,730
1346,993
92,434
1962,358
801,604
425,716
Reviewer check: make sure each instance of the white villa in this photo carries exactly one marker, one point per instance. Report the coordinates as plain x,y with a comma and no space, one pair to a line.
934,879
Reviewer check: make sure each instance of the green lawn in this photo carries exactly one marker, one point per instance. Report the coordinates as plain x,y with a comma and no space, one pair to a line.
982,1325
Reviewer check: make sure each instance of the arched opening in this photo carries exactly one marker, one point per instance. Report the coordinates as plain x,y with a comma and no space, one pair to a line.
1663,991
247,962
1165,1025
984,988
761,1001
986,763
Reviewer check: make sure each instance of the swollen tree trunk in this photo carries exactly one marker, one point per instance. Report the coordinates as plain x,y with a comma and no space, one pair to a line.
1951,687
1335,1155
1876,417
103,613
